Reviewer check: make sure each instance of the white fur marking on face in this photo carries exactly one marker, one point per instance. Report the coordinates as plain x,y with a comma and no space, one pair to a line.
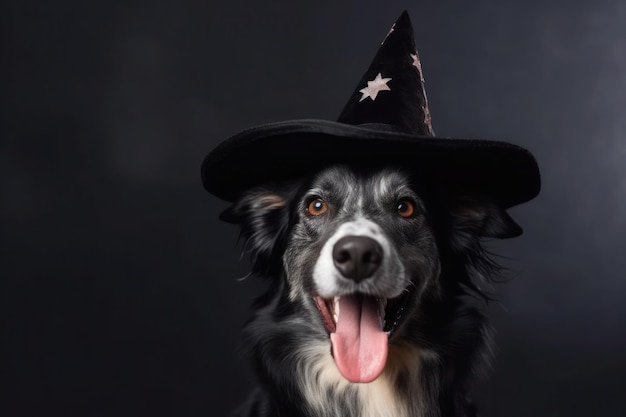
325,275
382,186
360,206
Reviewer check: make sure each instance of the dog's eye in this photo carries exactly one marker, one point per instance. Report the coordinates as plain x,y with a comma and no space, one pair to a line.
405,208
317,207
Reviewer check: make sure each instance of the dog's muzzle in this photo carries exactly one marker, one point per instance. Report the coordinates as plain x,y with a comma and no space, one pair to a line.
359,279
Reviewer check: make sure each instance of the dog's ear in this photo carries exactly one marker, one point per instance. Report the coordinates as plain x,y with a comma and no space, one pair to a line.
475,217
255,202
262,214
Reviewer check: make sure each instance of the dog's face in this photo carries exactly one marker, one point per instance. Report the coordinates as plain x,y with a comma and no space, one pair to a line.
360,248
365,234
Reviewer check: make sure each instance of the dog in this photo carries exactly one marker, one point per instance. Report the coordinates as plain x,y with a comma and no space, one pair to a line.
374,306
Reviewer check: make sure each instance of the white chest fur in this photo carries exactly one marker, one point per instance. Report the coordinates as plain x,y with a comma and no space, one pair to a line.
326,390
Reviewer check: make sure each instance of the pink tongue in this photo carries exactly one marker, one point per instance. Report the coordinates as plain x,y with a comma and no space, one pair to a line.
359,345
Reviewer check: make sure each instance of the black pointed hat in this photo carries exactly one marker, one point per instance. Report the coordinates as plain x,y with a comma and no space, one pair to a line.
385,122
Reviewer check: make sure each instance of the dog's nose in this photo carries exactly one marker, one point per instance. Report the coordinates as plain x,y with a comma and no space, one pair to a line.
357,257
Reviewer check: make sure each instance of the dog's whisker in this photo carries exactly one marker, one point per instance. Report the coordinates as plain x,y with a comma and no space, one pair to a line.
245,277
244,249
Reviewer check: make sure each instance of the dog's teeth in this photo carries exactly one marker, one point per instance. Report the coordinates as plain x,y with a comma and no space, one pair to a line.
382,304
336,308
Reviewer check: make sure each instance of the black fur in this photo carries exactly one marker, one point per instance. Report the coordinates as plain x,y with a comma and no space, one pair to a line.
448,268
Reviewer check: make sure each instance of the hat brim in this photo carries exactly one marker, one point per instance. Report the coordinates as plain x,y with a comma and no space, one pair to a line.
505,172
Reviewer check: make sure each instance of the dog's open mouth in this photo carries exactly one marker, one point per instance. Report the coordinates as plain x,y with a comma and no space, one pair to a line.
359,326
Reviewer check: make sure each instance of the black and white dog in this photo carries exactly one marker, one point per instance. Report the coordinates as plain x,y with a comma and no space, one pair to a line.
372,304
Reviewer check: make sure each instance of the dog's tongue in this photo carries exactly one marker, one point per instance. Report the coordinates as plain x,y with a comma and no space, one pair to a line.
359,345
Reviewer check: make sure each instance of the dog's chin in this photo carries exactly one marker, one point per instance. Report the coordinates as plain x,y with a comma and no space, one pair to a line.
359,326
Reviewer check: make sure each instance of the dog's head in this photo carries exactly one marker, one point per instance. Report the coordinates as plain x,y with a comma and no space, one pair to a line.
364,247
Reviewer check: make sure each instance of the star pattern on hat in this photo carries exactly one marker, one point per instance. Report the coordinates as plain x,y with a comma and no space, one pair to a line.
415,61
375,86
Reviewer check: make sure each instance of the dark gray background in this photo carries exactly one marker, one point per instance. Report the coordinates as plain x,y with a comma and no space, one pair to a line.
119,294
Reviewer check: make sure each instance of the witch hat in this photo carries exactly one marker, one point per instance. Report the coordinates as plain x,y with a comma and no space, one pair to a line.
386,121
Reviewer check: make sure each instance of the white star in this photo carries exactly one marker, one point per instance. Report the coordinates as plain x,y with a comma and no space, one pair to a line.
417,64
373,87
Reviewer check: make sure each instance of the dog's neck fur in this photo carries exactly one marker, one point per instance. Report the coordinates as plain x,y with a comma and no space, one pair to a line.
380,398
